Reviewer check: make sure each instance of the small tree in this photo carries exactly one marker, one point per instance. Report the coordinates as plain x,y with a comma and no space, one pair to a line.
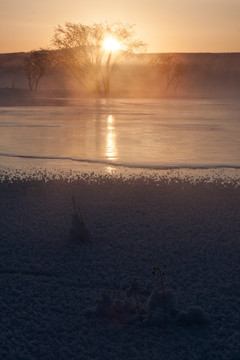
90,53
35,66
171,68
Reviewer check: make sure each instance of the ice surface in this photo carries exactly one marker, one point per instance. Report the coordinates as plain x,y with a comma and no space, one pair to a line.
153,133
62,299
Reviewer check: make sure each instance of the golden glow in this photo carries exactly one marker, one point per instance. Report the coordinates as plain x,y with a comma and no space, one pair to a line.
111,150
171,26
111,44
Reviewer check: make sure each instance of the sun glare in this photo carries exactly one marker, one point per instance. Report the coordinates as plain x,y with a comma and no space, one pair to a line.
111,44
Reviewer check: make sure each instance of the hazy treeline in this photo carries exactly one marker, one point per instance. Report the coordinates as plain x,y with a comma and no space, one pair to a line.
205,74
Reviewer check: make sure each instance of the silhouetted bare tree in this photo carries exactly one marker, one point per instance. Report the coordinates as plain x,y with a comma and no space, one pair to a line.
35,66
172,69
80,49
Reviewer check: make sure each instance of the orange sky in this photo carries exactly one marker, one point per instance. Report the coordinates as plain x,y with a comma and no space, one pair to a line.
165,25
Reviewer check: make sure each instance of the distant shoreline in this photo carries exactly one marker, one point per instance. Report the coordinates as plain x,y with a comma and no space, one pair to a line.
23,97
207,75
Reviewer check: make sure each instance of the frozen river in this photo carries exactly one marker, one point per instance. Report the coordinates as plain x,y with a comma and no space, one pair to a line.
138,133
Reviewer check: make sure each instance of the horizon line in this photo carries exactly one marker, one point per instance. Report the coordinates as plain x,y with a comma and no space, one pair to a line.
142,53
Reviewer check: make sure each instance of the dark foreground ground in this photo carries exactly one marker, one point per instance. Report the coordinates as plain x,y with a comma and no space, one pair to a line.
50,282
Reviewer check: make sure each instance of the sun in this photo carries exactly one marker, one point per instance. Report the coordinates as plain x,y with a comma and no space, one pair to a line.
111,44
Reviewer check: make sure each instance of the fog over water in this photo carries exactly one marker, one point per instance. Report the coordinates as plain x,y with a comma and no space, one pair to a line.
138,133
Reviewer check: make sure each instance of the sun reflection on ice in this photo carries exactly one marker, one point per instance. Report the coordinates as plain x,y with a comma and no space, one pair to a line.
110,170
111,150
